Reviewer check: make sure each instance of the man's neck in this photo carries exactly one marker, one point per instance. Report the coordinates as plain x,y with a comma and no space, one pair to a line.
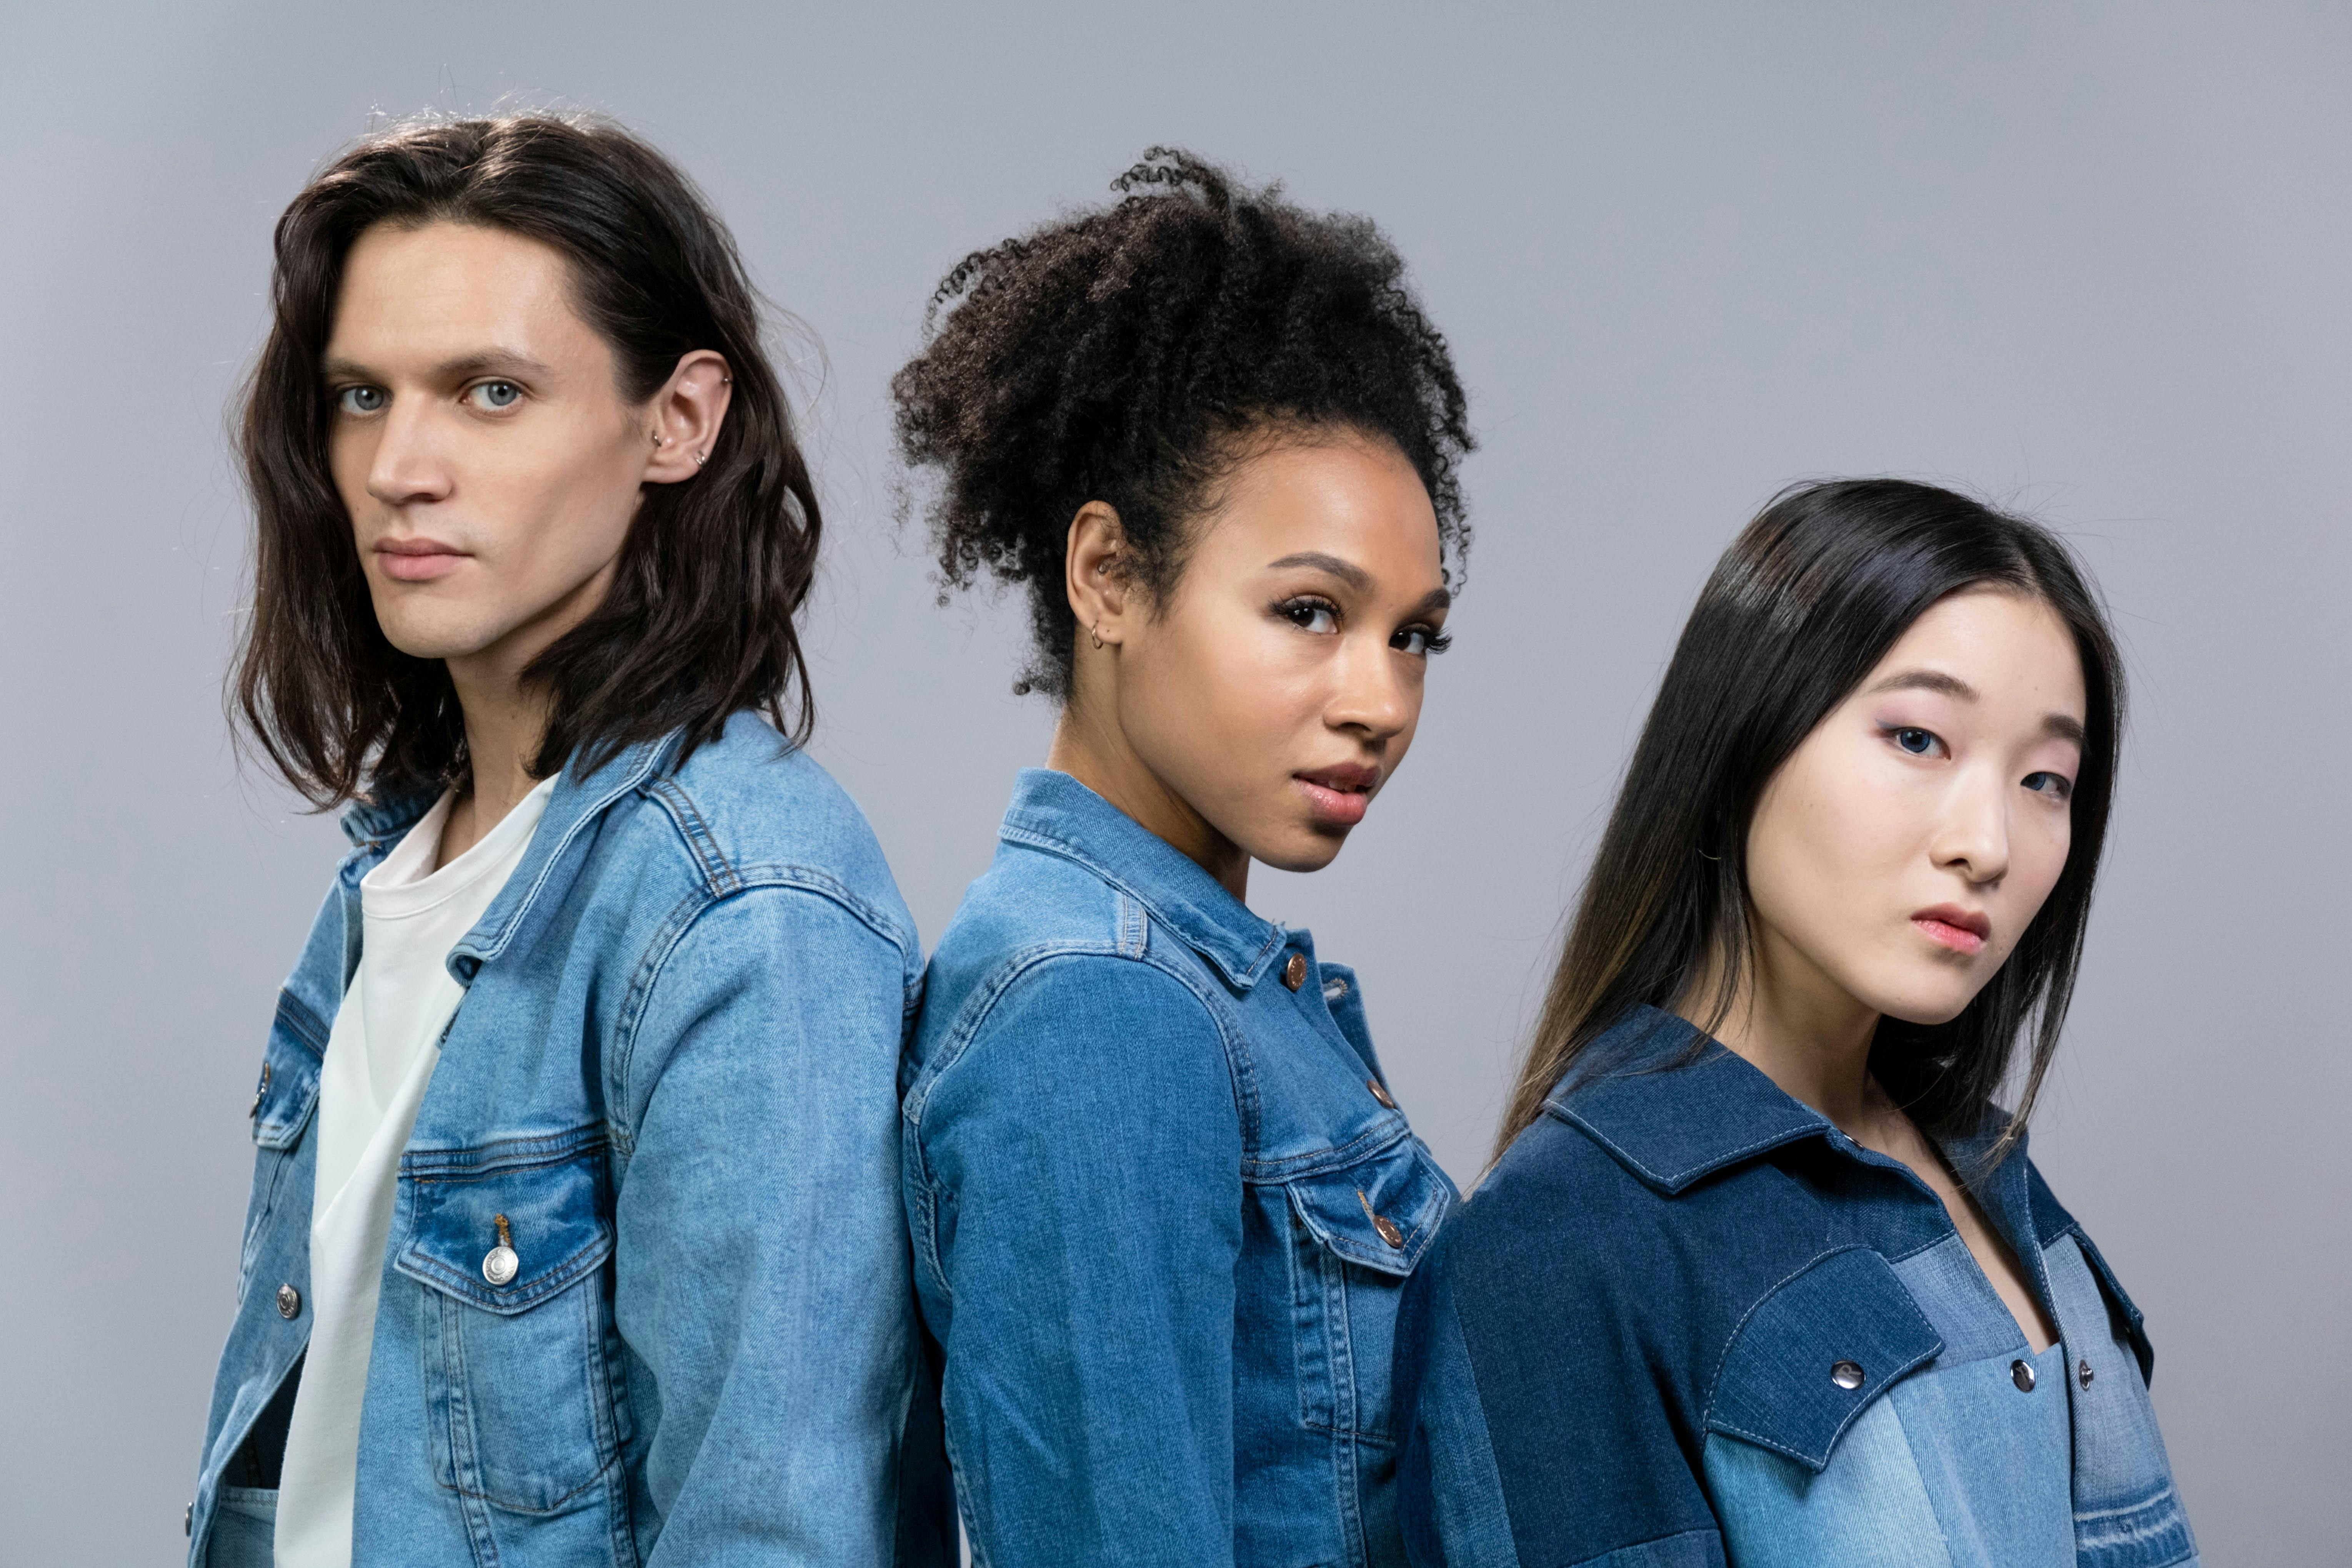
506,721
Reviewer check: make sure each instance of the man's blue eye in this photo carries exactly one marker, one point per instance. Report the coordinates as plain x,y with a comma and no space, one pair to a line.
1918,742
360,399
497,394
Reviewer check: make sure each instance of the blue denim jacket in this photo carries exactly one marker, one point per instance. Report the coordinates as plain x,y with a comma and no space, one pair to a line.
1162,1206
674,1070
1687,1321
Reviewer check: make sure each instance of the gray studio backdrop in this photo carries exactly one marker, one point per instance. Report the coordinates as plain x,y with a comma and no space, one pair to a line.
2089,260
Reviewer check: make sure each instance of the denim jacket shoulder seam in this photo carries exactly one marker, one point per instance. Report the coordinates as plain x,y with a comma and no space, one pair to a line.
711,863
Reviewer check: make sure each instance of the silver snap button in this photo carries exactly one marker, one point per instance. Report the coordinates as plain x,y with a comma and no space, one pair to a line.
1846,1373
499,1264
290,1301
2083,1374
188,1523
2021,1372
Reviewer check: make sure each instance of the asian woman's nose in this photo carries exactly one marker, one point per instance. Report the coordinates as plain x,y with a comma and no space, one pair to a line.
1971,836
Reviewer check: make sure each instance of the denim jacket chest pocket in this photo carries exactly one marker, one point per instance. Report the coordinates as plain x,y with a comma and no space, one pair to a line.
285,1096
1816,1352
509,1241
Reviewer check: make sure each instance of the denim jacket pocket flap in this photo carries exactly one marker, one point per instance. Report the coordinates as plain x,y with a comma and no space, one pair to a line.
1379,1212
287,1089
1816,1352
506,1226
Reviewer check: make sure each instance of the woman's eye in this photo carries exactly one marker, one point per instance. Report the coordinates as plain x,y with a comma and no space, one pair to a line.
495,393
1918,742
1311,615
1420,641
2057,787
360,399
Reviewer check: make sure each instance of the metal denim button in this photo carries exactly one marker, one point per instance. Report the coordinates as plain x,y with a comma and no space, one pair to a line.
1846,1373
499,1264
1380,1093
1294,973
1382,1223
290,1301
257,1095
188,1523
2021,1372
2082,1374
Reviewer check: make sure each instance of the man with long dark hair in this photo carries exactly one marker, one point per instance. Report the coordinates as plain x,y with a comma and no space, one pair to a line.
575,1229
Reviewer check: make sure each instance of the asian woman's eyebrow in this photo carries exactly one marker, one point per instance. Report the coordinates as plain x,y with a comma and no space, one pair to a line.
1934,680
2064,727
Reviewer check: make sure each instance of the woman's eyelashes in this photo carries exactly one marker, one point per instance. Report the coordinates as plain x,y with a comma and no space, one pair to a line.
1913,741
1319,617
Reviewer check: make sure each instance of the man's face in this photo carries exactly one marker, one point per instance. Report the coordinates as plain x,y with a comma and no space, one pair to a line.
479,442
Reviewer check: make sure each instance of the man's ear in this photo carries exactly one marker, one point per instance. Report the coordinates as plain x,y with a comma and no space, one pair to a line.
685,415
1094,574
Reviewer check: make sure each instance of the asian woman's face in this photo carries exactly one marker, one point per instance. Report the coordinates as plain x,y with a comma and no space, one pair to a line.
1906,843
1278,688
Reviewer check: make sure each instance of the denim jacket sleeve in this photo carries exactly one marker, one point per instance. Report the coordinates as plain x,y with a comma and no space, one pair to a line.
1081,1205
762,1280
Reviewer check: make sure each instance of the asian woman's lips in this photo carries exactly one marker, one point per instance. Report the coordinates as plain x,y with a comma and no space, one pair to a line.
1950,926
1339,796
416,560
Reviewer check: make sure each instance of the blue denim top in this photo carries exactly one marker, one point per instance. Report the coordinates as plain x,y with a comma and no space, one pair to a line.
1162,1207
673,1073
1686,1321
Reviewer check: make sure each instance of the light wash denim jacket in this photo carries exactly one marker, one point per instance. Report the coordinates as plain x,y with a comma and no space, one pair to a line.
674,1072
1163,1207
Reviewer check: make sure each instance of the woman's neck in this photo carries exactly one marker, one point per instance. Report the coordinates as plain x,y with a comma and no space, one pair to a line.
1098,756
1800,1028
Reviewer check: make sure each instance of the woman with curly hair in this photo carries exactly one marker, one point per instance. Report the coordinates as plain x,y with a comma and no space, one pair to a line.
1164,1203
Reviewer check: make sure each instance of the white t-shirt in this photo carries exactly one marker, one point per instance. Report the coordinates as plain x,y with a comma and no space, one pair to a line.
380,1055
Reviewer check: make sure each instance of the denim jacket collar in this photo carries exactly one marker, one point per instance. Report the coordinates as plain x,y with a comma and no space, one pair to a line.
1675,1107
579,798
1055,813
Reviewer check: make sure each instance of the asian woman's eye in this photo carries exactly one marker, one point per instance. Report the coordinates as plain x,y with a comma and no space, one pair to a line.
1420,641
360,400
2057,787
1318,615
494,395
1917,741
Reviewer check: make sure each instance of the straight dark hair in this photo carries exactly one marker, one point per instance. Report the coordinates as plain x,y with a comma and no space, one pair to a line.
1805,603
699,621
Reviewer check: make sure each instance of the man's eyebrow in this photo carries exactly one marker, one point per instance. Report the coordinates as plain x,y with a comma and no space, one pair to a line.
487,361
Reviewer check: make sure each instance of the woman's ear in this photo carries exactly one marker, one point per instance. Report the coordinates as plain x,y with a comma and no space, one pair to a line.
685,415
1094,575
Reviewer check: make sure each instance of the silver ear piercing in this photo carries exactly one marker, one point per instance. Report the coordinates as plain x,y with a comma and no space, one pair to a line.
700,459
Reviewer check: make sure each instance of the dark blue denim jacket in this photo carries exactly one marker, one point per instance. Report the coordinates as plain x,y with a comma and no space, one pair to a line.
675,1073
1684,1312
1162,1205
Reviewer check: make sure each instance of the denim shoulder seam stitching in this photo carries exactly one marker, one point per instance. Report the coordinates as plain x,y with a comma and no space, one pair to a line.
710,862
634,1003
1030,839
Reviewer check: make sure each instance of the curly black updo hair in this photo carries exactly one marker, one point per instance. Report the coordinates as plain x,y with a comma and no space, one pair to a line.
1133,353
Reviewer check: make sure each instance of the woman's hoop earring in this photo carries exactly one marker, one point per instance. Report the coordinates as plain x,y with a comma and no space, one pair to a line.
1095,635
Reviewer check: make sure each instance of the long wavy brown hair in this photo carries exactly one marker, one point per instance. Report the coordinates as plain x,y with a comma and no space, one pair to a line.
698,621
1800,608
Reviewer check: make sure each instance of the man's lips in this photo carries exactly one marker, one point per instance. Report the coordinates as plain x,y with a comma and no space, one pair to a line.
1949,925
1339,796
416,560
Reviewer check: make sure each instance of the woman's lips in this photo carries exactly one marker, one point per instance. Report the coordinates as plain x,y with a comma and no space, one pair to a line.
1339,796
417,559
1949,925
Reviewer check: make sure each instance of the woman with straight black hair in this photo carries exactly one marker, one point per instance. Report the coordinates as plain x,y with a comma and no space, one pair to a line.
1763,1274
